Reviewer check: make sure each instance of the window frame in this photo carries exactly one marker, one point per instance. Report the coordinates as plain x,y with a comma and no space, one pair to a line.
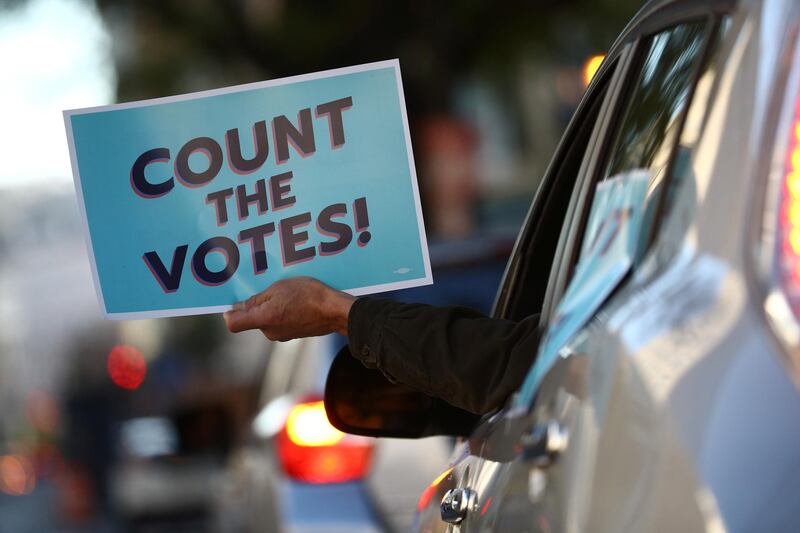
603,85
577,213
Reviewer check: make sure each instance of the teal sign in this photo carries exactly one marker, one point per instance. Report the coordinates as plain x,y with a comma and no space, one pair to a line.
194,202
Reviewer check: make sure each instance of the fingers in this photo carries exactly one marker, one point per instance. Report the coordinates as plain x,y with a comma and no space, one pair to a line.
256,300
236,320
267,310
244,317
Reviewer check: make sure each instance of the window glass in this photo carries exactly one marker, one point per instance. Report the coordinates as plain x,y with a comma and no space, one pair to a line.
653,111
696,116
551,206
641,149
651,121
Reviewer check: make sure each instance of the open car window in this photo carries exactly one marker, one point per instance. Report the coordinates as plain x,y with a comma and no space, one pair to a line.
529,271
649,126
613,224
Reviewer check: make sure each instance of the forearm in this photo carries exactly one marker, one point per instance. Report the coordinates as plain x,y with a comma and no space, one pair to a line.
465,358
457,354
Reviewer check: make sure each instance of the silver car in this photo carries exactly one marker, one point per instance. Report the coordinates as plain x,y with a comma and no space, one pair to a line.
663,253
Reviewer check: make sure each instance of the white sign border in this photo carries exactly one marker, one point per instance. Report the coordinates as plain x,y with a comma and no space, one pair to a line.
358,291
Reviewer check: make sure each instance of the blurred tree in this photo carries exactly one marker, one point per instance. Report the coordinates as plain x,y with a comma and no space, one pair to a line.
515,52
171,46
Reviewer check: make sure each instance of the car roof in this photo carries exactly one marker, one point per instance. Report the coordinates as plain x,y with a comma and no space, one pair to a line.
655,14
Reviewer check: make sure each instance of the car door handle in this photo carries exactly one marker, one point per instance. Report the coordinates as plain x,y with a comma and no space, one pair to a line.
544,443
456,505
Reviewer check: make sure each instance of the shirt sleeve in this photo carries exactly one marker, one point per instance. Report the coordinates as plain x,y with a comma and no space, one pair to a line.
457,354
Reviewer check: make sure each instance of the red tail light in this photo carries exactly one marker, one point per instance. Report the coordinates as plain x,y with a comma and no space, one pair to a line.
310,449
781,230
788,263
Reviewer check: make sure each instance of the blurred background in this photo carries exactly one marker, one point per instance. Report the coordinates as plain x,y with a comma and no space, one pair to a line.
173,424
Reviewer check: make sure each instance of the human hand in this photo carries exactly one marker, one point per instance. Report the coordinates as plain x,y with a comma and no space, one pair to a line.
292,308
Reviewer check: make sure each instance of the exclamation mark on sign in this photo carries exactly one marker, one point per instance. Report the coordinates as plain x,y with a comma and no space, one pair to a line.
362,221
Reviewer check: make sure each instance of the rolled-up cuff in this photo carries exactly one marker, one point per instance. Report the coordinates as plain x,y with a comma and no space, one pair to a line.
365,328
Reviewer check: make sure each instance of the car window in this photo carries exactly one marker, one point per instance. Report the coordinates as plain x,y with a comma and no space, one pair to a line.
640,146
653,113
678,200
651,119
529,271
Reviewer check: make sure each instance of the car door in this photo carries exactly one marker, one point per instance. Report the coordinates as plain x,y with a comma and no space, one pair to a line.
532,259
598,457
534,466
525,282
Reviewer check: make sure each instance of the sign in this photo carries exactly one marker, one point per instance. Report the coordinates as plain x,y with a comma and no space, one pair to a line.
609,248
193,202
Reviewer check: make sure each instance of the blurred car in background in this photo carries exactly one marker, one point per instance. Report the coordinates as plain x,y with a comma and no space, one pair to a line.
299,473
168,468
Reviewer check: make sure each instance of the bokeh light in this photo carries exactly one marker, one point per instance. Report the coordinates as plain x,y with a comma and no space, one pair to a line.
590,68
17,476
126,366
41,411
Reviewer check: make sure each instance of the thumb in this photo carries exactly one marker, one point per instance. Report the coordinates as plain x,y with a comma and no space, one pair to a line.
239,320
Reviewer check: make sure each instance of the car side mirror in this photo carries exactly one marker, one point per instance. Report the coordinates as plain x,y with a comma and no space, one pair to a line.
362,401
